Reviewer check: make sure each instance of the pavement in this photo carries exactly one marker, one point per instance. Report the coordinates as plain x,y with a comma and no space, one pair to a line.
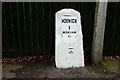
47,69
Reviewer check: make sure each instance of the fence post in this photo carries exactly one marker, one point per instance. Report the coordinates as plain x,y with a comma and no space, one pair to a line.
98,34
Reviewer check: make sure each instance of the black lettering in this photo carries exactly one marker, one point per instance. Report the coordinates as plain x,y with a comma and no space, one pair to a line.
69,36
72,21
69,27
63,31
75,20
70,48
62,20
69,20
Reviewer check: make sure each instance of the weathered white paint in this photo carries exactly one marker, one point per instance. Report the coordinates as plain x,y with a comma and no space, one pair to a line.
99,28
68,39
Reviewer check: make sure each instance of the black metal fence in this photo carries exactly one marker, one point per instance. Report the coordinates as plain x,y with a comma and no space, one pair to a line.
112,30
29,28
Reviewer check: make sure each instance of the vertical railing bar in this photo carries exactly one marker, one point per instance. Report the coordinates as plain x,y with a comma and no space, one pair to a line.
7,36
37,30
12,30
31,27
49,30
25,29
43,26
19,29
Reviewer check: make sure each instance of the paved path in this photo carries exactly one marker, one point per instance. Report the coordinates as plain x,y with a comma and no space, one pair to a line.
47,70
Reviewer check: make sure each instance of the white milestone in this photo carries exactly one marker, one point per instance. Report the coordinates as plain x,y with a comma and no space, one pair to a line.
69,51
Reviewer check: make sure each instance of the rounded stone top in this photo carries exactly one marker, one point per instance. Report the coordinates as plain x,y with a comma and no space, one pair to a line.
68,12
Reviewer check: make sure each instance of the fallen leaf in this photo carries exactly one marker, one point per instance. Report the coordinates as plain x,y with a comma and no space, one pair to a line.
114,73
110,57
53,57
22,72
45,60
44,77
14,62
